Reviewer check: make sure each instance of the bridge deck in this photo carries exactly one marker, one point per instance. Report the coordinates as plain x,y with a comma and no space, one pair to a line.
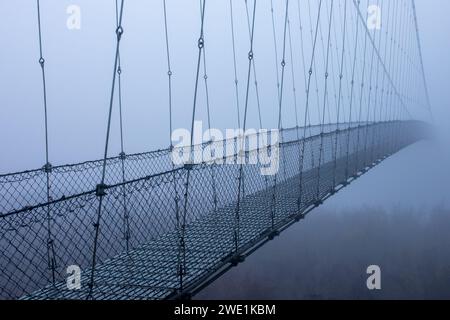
149,271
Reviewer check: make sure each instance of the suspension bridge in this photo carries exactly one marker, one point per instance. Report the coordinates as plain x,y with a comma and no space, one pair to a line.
140,226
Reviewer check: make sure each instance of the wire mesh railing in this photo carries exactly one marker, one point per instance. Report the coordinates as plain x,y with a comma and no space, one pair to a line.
35,261
29,188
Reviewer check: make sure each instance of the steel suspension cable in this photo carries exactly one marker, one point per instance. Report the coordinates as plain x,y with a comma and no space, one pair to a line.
236,235
333,69
170,75
294,92
315,74
308,120
274,34
325,92
381,60
399,30
258,103
308,87
277,74
47,167
376,137
377,87
322,118
208,113
361,94
283,65
394,77
352,86
294,89
188,166
342,61
307,112
236,82
339,94
404,78
122,155
422,68
369,111
101,187
302,44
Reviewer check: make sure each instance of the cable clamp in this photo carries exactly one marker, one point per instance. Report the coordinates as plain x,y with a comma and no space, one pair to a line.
47,167
100,190
201,43
119,32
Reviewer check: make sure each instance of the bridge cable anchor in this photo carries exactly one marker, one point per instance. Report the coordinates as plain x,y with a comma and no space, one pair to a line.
237,259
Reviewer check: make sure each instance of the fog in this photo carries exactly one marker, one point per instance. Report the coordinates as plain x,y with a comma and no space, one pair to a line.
326,257
386,221
396,216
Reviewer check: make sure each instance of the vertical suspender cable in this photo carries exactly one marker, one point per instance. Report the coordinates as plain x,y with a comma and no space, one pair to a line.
294,92
404,79
304,63
377,77
47,167
380,62
300,155
280,101
274,35
294,88
387,105
101,187
188,166
174,174
333,71
315,76
352,84
325,92
236,235
272,11
236,82
424,78
361,94
126,231
322,117
169,73
308,90
208,113
390,135
341,75
369,111
376,147
258,103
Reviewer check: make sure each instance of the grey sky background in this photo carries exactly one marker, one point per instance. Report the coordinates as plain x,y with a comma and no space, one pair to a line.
79,68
